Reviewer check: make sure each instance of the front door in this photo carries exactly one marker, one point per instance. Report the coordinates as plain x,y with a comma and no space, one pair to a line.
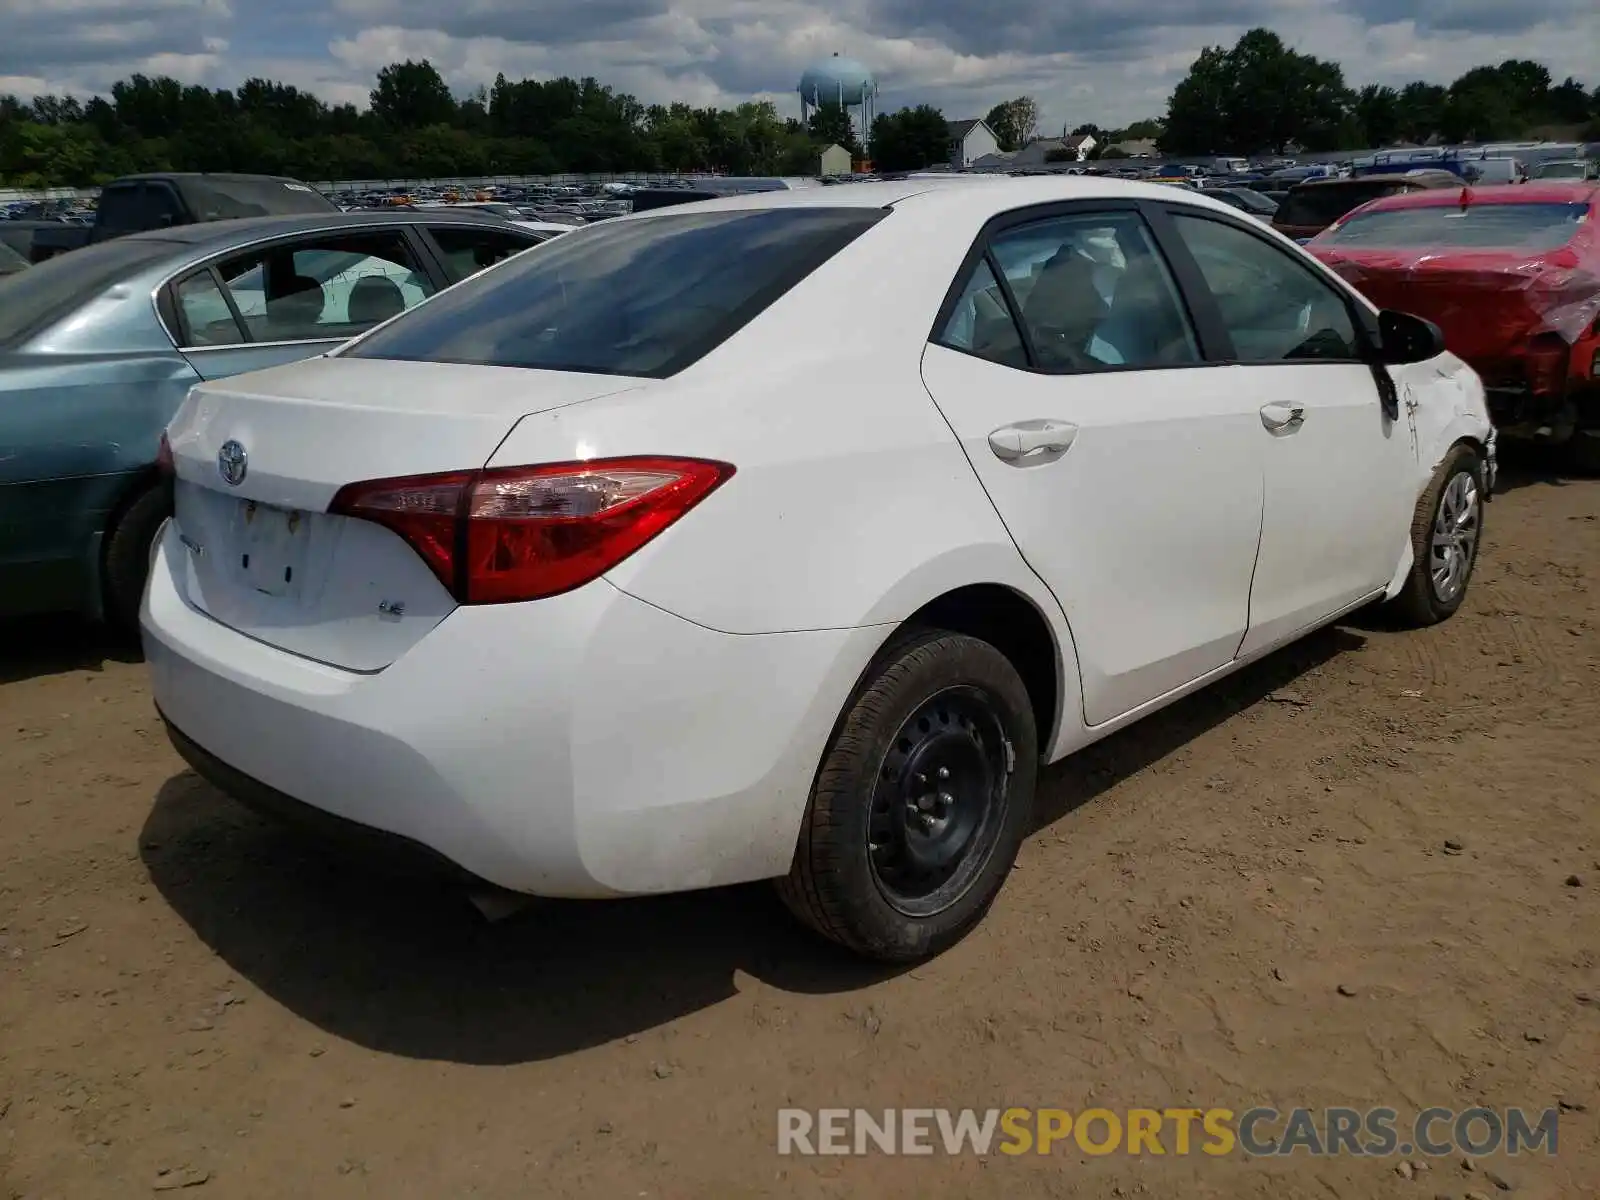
1127,471
1339,462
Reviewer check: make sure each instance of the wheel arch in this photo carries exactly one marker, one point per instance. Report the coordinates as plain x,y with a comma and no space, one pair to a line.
1014,624
137,484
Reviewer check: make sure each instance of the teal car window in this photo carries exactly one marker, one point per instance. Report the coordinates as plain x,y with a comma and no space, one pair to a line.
330,287
207,320
468,251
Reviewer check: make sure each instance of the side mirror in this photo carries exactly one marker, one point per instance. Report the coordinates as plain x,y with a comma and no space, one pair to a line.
1403,338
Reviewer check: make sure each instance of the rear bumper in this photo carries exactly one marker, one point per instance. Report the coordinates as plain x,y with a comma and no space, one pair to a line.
392,849
586,745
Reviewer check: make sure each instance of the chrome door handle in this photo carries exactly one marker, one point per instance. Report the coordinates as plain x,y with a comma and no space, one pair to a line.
1284,418
1028,442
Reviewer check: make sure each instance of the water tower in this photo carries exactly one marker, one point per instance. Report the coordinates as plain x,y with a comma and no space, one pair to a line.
843,82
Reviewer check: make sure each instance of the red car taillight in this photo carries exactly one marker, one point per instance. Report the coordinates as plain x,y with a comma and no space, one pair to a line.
164,465
522,533
1547,359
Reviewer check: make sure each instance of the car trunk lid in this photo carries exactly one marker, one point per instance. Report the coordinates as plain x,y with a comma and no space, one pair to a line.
258,459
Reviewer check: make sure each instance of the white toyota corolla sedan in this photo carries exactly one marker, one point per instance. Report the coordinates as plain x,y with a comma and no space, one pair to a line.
788,535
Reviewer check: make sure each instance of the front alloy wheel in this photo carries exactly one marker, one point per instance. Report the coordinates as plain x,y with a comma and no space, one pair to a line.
1454,544
1446,534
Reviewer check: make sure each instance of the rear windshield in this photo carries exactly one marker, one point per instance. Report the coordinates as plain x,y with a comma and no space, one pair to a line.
1531,227
10,261
32,299
1324,203
645,297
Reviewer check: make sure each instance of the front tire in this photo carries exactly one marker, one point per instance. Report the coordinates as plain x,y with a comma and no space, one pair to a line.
127,557
1446,533
922,801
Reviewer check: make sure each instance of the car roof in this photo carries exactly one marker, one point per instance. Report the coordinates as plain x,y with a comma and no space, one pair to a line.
232,176
980,196
208,233
1539,191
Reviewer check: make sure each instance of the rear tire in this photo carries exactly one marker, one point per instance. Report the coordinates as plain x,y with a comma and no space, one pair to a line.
1446,534
921,803
127,557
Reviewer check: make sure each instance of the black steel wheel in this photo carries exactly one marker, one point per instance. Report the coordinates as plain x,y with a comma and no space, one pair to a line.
921,802
940,801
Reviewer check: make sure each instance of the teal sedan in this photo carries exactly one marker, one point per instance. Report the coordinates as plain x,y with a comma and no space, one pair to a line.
99,346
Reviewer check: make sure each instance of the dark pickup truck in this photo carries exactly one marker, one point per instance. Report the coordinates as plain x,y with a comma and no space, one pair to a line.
137,203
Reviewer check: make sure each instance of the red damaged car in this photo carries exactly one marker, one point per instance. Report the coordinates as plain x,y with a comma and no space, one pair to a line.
1511,275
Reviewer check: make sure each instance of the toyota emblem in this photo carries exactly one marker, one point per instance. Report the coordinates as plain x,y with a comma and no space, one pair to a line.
232,462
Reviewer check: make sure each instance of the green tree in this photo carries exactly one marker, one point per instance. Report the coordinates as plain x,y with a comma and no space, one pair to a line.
1014,122
831,125
1198,114
1377,114
910,139
1258,96
412,95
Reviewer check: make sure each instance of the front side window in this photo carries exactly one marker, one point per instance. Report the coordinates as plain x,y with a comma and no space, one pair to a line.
329,287
643,297
1093,292
1275,309
468,251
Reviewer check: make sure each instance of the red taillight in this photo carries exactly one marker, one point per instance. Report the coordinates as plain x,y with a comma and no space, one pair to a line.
164,463
1547,359
522,533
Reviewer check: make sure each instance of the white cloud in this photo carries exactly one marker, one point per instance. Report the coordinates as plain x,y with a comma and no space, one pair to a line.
1106,61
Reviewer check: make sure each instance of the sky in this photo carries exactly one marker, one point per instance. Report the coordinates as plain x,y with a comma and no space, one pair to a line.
1106,61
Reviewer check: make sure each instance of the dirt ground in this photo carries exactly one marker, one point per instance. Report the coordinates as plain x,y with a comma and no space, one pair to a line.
190,995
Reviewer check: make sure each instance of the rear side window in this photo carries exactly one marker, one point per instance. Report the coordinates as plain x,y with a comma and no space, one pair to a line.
36,298
1092,292
646,297
1532,227
136,207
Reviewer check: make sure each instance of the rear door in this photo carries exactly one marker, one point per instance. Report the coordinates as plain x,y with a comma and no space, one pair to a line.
1126,468
295,298
1339,458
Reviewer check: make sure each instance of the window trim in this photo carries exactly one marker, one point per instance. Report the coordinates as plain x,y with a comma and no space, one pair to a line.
1362,322
164,297
1033,214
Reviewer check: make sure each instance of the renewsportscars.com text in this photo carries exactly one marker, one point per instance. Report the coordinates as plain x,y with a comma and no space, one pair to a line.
1257,1132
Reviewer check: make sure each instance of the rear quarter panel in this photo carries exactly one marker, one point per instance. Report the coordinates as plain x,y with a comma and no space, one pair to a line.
76,432
853,503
